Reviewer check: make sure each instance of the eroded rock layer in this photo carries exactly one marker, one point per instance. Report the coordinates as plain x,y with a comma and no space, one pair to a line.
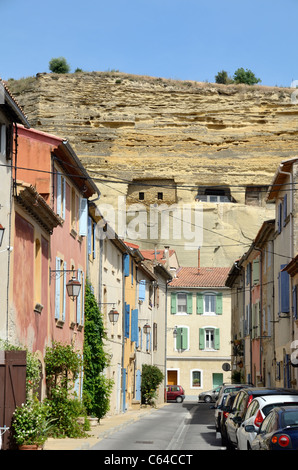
126,128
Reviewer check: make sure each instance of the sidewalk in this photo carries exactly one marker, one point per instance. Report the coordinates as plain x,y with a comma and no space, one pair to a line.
107,426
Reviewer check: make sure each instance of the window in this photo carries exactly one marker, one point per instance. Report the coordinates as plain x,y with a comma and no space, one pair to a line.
181,303
215,195
60,290
60,195
160,196
209,338
283,287
141,196
196,380
209,303
182,338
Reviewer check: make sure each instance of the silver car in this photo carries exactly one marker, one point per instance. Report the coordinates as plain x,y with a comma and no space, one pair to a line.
210,395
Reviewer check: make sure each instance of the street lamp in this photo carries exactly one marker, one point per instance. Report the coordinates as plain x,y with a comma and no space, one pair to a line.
1,234
73,288
146,329
113,315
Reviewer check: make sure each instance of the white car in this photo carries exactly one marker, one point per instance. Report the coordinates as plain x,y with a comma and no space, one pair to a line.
256,413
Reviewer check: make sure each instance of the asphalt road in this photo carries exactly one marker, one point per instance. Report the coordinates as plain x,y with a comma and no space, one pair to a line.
175,427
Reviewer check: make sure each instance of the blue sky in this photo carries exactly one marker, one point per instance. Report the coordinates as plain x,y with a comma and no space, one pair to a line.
177,39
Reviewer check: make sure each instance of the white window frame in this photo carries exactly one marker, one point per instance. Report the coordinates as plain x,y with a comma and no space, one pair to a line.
209,294
191,379
3,140
211,346
185,296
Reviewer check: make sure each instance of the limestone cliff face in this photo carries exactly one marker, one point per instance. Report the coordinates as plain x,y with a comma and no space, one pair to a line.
128,128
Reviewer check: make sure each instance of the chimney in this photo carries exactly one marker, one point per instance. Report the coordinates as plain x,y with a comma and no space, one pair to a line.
199,259
167,256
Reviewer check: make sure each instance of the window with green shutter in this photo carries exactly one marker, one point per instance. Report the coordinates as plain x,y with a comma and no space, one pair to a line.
209,338
173,303
182,338
256,271
200,304
219,303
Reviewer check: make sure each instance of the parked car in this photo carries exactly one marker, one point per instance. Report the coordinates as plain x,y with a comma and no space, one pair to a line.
227,408
242,401
228,388
218,407
175,393
257,411
214,394
210,395
279,430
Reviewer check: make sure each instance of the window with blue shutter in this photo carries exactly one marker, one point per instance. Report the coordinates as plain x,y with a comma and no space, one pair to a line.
89,235
126,320
284,286
134,326
64,291
57,290
285,209
142,289
279,218
126,264
83,221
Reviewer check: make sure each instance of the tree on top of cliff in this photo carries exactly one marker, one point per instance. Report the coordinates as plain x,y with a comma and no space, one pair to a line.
222,77
59,65
245,76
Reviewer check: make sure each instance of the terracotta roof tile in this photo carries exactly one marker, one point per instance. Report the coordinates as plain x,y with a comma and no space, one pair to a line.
204,277
159,255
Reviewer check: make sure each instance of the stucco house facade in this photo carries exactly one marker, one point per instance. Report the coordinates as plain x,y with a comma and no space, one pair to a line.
198,327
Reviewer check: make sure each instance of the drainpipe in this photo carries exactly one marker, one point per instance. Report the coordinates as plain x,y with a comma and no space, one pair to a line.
261,304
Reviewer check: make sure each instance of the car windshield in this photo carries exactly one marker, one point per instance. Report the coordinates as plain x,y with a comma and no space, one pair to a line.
290,418
266,409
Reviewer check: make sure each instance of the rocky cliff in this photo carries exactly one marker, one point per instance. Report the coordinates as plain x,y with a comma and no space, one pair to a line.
129,128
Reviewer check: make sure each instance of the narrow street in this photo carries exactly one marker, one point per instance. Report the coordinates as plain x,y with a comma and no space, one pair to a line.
176,427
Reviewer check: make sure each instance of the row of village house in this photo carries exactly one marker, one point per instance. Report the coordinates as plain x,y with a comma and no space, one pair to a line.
264,292
177,319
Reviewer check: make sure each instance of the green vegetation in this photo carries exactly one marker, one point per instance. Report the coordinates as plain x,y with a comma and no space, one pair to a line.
240,76
96,387
59,65
151,379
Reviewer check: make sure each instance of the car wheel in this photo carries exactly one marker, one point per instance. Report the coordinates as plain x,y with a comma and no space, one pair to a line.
207,399
179,399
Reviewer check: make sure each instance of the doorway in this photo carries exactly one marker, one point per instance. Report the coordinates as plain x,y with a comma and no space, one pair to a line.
172,377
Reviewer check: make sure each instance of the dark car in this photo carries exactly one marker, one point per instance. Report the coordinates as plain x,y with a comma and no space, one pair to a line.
279,430
241,403
175,393
227,408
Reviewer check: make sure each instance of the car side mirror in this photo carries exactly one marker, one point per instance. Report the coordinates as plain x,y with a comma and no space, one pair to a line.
237,419
250,428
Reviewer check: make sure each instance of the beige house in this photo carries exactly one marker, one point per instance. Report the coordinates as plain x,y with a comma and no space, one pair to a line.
199,328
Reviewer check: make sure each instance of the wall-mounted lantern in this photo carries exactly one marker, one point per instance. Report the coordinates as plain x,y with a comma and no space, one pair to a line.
73,286
113,315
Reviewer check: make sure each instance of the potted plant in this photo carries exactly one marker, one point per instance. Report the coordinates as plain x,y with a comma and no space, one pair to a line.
31,425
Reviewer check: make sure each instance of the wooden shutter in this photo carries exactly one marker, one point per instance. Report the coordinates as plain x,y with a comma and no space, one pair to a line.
83,217
256,271
294,302
285,209
200,304
216,339
284,290
126,325
189,303
134,326
64,291
142,289
201,338
126,264
218,306
173,303
57,290
59,194
182,338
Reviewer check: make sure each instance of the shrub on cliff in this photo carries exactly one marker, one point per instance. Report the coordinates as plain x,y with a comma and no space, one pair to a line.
59,65
245,76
